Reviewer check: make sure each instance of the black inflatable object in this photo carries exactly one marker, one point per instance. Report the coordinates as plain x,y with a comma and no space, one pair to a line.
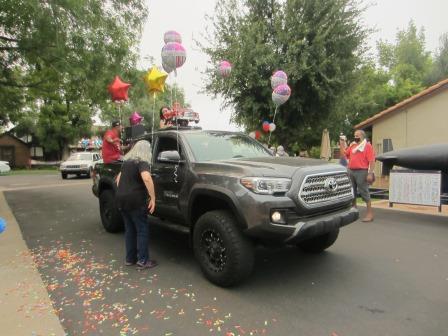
133,132
431,157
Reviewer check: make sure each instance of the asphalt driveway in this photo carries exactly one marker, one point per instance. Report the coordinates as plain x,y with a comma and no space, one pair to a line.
389,277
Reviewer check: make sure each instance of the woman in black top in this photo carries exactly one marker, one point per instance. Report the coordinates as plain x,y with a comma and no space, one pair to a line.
135,198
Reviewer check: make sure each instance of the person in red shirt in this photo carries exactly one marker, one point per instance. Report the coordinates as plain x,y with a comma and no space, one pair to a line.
111,150
361,163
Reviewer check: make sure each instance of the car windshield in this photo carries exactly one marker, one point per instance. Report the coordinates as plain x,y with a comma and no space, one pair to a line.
80,156
207,146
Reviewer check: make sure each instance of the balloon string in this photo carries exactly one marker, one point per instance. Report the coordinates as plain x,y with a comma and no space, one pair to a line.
152,129
273,121
275,113
171,89
120,118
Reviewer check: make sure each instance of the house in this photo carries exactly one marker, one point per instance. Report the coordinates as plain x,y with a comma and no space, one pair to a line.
416,121
14,150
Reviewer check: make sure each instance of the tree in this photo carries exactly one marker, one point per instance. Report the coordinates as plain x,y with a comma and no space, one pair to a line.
317,42
400,71
439,70
406,61
61,56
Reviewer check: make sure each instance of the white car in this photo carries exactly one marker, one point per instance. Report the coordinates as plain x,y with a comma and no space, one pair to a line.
4,167
81,163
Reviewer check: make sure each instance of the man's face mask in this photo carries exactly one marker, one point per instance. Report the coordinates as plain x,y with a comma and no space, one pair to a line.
357,140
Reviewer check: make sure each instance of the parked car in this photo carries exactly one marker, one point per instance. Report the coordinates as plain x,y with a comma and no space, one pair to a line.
4,167
81,163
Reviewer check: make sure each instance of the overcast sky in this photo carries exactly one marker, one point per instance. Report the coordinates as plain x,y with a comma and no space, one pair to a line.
187,18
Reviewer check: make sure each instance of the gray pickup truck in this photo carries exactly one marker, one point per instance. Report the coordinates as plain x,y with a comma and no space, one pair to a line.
228,192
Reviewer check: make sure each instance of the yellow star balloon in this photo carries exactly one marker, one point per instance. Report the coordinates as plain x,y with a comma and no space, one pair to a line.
155,80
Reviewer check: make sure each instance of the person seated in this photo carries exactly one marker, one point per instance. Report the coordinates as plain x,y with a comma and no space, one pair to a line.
281,151
164,121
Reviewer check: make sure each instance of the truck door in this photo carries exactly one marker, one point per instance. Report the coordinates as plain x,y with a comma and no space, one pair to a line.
168,173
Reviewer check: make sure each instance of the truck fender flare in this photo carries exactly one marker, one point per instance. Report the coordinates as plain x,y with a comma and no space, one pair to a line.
220,193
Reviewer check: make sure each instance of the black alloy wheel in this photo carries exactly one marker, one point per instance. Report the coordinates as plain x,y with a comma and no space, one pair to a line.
225,255
213,247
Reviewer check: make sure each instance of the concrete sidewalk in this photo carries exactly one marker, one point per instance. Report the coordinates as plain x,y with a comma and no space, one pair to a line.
422,209
25,308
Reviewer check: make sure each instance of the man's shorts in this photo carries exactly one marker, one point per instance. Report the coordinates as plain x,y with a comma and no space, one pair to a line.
360,185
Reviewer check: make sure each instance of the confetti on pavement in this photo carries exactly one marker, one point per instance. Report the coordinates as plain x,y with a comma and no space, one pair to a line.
76,281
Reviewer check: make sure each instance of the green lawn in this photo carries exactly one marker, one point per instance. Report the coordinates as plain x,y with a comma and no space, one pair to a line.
42,171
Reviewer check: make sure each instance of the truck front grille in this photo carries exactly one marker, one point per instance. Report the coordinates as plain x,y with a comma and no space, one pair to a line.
321,189
73,167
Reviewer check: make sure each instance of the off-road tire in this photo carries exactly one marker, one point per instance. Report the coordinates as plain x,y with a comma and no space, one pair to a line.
110,216
226,257
320,243
64,176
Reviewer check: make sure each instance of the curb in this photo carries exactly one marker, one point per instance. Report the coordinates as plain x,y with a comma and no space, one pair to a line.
25,306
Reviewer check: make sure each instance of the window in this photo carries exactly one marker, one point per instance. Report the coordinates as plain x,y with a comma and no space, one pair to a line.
387,145
167,144
208,146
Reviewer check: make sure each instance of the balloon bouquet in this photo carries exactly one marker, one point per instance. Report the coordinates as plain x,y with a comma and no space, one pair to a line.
173,56
280,95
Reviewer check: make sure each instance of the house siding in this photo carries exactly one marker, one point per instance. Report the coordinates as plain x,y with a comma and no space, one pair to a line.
21,151
419,124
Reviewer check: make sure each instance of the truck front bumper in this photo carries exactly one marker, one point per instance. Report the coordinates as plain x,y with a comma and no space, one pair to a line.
303,229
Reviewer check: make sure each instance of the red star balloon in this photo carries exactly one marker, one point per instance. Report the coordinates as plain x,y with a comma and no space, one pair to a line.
118,89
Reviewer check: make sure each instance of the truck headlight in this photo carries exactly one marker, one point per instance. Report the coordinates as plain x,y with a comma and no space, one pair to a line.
84,166
266,185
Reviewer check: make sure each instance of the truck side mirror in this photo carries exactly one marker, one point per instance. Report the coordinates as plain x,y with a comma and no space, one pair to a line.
171,156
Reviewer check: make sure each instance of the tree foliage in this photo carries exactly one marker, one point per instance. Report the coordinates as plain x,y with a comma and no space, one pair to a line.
401,70
439,70
316,42
57,57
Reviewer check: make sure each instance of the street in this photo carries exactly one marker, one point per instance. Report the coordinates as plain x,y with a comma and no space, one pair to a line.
388,277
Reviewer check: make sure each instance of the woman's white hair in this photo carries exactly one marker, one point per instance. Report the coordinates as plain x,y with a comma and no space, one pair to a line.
141,151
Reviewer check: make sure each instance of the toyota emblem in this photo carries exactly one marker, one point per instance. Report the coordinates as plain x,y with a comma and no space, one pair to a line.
331,185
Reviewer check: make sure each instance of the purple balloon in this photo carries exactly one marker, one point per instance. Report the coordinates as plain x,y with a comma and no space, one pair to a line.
281,94
172,36
278,78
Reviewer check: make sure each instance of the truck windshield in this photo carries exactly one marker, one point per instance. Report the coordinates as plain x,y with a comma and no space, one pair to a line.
207,146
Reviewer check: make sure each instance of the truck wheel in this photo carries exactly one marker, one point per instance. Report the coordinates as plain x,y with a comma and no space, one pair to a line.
110,216
319,243
64,176
226,257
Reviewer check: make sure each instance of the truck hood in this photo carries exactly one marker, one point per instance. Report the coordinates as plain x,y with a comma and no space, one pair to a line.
262,166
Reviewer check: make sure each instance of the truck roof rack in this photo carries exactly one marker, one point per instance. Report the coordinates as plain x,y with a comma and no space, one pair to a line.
180,128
